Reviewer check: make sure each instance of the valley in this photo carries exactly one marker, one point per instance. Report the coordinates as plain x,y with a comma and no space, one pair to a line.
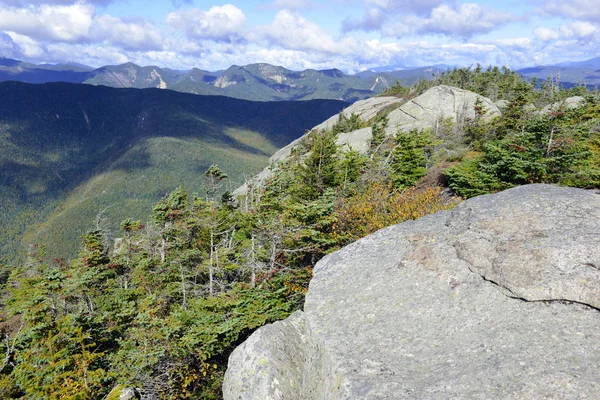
73,154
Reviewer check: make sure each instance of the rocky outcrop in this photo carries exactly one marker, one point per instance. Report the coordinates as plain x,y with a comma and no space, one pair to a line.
365,109
567,104
438,103
425,111
502,104
497,298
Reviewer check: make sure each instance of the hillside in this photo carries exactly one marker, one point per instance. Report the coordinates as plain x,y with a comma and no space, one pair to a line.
68,152
567,73
161,312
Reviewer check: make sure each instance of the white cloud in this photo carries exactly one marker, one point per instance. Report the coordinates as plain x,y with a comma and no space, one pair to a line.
293,32
28,47
220,23
8,47
371,21
467,20
132,35
545,34
61,23
587,10
518,43
578,30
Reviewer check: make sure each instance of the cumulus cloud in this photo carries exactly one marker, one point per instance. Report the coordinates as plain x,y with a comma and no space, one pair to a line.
29,48
61,23
292,31
465,21
578,31
220,23
545,34
371,21
8,48
377,12
131,35
586,10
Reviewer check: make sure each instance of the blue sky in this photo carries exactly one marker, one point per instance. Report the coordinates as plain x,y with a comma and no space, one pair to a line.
352,35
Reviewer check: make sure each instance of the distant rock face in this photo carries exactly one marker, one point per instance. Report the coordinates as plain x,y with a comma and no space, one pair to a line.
435,105
495,299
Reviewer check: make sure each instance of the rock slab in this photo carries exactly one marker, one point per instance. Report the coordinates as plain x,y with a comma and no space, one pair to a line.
495,299
425,111
438,103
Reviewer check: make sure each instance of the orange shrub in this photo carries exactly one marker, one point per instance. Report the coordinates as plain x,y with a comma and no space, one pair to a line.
379,206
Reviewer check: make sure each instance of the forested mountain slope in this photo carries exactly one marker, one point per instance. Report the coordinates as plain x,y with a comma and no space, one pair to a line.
161,312
68,152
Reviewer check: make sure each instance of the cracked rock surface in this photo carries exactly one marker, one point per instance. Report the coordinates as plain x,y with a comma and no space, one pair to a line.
438,103
495,299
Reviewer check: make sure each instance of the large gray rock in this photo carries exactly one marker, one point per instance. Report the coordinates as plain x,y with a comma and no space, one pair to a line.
365,109
502,104
567,104
359,140
438,103
495,299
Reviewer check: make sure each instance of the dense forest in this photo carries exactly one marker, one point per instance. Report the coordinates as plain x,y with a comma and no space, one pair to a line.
163,307
71,154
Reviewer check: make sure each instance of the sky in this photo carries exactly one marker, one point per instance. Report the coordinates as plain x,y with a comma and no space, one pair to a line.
352,35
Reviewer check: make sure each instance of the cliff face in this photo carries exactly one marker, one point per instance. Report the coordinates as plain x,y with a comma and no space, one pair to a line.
497,298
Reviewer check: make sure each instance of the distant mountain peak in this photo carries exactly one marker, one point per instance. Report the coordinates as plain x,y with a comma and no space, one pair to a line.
334,73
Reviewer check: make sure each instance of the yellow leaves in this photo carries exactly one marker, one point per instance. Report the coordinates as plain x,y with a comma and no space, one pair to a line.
379,206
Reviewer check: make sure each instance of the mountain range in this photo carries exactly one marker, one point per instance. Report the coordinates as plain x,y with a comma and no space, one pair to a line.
265,82
568,73
259,82
72,156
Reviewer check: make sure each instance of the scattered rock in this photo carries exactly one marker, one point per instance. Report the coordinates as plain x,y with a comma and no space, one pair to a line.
497,298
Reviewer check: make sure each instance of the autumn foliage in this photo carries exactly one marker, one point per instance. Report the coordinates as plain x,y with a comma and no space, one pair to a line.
380,206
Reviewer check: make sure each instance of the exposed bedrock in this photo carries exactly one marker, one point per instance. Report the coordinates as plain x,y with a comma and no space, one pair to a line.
495,299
